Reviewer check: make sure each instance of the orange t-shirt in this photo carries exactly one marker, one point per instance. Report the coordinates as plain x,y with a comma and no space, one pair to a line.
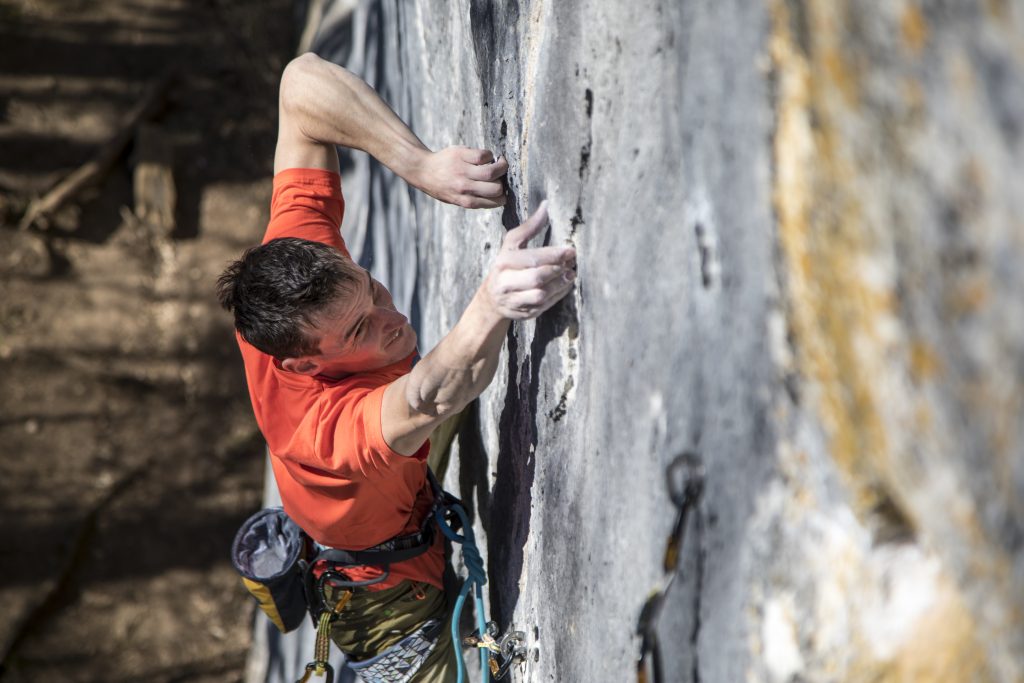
339,479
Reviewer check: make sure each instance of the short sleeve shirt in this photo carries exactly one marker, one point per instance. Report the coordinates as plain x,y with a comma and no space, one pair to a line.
339,480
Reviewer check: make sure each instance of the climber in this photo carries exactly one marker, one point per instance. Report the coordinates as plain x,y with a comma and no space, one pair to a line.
329,361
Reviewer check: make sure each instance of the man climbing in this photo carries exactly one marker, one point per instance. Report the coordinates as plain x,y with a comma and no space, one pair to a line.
344,409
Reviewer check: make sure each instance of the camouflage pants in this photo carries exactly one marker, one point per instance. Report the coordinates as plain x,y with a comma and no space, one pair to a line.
373,621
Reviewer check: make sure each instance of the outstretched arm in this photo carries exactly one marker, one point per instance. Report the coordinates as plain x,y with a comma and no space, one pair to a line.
322,105
522,284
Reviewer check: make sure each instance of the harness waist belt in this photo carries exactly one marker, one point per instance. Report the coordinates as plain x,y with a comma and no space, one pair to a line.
397,549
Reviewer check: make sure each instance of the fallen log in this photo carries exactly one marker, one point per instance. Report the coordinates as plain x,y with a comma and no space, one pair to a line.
151,102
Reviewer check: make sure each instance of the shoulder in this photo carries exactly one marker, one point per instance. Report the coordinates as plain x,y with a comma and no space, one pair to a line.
307,203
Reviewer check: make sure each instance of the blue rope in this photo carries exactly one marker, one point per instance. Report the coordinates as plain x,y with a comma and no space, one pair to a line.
476,580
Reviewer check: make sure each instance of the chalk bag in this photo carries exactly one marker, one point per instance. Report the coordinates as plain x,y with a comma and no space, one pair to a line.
268,552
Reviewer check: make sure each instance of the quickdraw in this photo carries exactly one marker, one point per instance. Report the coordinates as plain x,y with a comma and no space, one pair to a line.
504,650
685,480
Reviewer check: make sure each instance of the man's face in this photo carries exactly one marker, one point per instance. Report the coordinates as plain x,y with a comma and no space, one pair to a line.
361,332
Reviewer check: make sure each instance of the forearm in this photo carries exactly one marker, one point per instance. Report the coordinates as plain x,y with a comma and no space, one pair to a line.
458,369
522,284
461,366
330,105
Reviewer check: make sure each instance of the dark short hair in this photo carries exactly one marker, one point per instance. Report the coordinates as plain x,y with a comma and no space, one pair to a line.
276,289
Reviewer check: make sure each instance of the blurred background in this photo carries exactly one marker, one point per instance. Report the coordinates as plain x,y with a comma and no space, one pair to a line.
128,453
799,227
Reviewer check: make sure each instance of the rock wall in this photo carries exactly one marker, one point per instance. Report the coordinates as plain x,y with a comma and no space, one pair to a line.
798,259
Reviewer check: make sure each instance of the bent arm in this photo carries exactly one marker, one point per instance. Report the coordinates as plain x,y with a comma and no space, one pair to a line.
447,379
322,105
522,284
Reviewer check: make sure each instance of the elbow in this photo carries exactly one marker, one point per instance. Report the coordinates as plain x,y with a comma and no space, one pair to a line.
432,405
292,79
300,66
418,402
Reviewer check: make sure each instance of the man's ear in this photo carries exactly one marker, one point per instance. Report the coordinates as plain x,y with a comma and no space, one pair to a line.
301,366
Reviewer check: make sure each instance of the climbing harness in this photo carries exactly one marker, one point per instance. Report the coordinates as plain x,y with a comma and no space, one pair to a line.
685,480
277,559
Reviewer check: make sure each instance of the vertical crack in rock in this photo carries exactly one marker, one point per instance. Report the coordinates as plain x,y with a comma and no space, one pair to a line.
473,468
516,465
512,490
698,594
588,95
491,47
704,248
481,20
558,412
510,214
576,221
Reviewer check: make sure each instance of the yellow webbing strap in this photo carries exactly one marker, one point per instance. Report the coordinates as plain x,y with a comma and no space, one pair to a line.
323,641
323,630
322,649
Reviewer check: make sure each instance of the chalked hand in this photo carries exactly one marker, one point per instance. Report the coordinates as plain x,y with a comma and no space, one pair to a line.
524,282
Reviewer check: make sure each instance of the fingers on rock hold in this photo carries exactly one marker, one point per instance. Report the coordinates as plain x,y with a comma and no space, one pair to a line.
485,189
488,172
534,257
478,156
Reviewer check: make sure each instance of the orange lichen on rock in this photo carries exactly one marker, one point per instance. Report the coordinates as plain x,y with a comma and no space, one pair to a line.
924,362
857,359
998,9
835,312
914,28
967,297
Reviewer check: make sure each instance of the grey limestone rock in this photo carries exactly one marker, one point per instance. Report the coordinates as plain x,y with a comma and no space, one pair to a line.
799,245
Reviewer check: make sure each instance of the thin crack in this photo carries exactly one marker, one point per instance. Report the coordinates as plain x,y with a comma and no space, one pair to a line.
698,591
